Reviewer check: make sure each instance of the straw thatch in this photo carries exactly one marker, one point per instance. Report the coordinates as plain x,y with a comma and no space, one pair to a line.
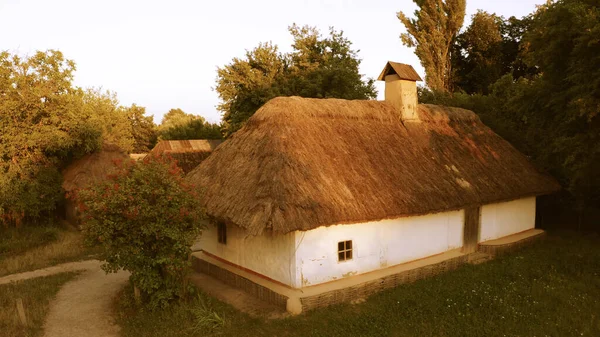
91,168
302,163
188,153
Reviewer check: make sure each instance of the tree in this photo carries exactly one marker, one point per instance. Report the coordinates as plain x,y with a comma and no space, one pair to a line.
432,32
145,218
178,125
563,43
553,116
103,111
488,49
318,67
142,127
40,128
477,60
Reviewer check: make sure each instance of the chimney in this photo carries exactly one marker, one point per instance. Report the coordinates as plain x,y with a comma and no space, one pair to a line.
401,89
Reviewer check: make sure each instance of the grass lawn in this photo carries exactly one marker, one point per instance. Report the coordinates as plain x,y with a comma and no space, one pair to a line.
550,289
36,295
33,247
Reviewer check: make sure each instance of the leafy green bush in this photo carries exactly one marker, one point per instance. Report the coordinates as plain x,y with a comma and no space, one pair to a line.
145,218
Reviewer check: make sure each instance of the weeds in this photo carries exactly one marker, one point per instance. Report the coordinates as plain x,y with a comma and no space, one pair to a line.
206,319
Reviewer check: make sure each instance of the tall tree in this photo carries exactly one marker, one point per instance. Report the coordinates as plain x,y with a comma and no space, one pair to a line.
40,126
432,32
563,42
487,49
317,67
246,84
477,59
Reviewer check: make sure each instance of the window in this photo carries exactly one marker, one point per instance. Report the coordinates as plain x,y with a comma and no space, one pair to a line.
344,250
222,233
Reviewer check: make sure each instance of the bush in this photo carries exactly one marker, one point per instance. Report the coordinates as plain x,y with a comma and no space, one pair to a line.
145,217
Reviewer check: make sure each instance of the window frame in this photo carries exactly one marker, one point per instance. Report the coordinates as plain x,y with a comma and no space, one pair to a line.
222,233
346,249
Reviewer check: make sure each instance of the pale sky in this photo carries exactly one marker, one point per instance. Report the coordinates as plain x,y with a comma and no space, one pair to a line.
164,54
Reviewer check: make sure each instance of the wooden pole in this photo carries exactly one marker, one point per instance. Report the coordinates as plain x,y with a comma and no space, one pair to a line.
21,312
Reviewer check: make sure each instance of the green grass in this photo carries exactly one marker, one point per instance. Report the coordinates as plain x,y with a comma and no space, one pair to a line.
19,240
550,289
33,247
36,295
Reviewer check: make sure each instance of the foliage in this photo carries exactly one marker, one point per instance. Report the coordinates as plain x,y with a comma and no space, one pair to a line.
317,67
45,123
142,127
145,218
547,101
553,286
564,43
36,294
489,48
432,32
178,125
40,126
104,113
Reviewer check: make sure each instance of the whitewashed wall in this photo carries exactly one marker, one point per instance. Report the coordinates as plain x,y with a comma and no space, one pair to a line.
506,218
269,255
376,245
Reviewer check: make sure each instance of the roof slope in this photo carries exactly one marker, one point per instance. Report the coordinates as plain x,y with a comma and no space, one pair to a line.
187,153
192,145
302,163
404,71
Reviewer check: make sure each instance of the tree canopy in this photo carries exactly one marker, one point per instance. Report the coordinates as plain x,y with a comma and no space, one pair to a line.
178,125
143,128
432,32
487,49
318,67
45,122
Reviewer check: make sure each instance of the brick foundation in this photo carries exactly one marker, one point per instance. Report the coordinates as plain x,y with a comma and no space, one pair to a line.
240,282
367,289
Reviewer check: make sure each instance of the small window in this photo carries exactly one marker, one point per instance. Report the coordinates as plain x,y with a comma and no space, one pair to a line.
344,250
222,233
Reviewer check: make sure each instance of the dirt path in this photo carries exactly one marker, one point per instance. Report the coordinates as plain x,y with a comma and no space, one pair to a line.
83,306
61,268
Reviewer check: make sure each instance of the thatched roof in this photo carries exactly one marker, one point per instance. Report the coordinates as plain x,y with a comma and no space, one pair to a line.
92,167
180,146
302,163
188,153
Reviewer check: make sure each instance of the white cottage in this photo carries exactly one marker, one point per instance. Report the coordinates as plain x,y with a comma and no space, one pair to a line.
317,201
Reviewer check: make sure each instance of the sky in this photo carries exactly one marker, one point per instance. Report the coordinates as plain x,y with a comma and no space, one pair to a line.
165,54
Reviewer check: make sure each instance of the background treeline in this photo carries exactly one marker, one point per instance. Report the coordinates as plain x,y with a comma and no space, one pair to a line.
46,123
536,82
